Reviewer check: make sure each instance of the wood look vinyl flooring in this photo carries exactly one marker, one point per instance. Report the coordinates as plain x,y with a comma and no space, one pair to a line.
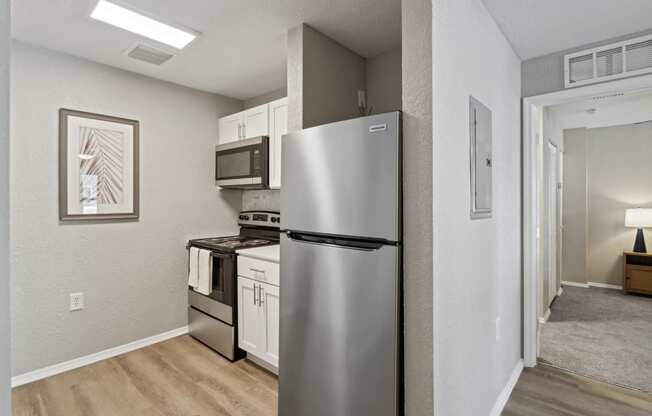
548,391
178,377
181,377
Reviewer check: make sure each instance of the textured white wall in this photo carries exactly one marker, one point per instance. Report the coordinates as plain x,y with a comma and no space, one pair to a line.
133,274
477,264
5,367
417,204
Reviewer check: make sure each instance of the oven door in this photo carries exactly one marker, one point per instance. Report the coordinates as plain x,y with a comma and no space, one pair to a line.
220,303
242,164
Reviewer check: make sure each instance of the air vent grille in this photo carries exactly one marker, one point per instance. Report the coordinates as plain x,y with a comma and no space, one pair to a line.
639,55
617,60
149,54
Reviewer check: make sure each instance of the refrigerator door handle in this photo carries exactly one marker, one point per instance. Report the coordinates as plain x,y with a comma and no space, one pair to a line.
335,242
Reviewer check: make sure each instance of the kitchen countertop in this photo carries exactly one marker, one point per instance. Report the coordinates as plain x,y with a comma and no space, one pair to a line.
268,253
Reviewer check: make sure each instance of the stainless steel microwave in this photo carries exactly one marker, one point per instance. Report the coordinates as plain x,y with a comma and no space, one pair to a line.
243,164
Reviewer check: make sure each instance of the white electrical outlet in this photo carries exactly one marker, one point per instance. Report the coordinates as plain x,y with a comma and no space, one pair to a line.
76,301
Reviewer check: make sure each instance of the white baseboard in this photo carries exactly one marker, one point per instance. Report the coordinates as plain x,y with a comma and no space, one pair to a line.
593,284
545,317
605,286
503,397
560,291
575,284
55,369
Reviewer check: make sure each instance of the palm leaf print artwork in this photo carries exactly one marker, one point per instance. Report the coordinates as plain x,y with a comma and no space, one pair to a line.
101,168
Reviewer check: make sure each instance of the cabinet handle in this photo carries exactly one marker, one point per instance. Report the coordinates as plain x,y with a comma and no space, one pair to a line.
260,295
257,270
244,131
239,131
255,301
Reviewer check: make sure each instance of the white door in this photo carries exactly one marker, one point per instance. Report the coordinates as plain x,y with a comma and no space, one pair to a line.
230,128
278,126
249,322
256,121
552,204
269,299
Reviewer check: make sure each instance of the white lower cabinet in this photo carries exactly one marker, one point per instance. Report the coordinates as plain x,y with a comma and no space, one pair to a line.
249,324
258,319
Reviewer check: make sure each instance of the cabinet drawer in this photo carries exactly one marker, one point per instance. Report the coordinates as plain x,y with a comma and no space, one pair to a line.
260,270
639,278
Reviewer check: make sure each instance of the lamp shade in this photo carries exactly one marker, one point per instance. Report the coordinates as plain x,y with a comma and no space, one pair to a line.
638,218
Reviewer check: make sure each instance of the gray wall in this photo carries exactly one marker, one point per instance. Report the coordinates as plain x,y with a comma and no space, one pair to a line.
574,212
618,175
5,366
265,98
132,273
384,78
545,74
323,79
417,208
332,76
477,263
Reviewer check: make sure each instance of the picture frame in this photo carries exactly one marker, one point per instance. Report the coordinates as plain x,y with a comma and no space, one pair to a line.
99,174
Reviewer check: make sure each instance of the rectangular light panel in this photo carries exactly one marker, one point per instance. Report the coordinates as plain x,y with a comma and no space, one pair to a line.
142,25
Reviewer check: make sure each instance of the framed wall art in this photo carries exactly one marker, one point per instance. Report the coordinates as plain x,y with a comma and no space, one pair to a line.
98,167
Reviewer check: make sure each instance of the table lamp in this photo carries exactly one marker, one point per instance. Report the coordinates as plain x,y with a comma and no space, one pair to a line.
639,218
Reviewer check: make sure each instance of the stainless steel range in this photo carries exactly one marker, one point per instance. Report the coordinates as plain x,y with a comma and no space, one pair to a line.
212,318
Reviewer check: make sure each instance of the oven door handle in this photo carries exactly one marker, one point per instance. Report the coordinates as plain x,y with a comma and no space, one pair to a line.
221,256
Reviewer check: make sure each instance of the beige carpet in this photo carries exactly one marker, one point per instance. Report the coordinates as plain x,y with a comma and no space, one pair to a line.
602,334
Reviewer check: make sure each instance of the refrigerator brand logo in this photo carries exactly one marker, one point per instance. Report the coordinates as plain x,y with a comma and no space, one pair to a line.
377,128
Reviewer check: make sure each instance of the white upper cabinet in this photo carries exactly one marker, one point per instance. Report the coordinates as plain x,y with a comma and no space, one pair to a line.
256,121
230,128
278,126
264,120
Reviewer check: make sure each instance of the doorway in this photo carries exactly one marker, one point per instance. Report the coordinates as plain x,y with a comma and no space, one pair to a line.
545,165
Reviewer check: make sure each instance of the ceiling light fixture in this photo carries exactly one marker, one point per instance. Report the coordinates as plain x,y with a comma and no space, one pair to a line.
140,24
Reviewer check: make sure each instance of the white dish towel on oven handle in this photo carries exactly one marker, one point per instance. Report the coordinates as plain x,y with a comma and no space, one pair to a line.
205,272
193,270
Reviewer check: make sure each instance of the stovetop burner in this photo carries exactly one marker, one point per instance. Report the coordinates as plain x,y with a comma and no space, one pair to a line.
231,243
257,229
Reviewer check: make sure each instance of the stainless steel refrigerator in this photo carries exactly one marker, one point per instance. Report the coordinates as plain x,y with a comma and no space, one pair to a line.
340,292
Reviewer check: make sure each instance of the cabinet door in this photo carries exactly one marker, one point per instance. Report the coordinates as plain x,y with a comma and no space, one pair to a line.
249,322
256,121
230,128
268,348
278,126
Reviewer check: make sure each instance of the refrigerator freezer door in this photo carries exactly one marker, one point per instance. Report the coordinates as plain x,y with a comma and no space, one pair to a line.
339,331
344,178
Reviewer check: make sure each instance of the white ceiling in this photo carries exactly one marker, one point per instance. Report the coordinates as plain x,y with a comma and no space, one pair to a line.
241,52
540,27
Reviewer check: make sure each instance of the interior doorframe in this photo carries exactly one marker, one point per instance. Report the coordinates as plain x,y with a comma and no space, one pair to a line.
533,112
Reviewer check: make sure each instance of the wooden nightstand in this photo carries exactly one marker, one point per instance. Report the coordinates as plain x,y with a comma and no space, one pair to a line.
637,276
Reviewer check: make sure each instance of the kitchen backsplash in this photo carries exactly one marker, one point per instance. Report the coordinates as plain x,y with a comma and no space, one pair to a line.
263,200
